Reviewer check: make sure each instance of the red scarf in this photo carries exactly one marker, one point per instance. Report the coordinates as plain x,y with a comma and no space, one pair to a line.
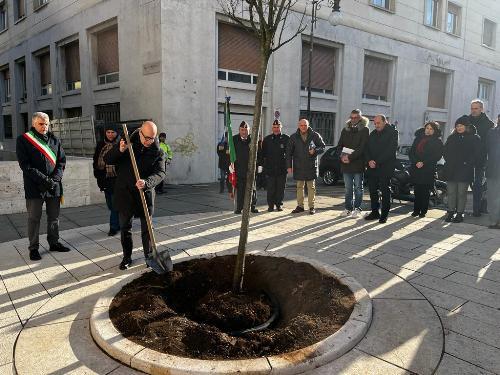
422,143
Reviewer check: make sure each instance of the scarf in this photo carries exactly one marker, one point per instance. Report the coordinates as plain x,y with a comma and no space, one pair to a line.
101,165
421,145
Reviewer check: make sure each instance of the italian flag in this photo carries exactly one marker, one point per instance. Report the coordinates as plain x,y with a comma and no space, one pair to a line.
232,152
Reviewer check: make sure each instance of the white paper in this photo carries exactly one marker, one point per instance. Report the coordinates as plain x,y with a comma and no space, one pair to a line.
347,150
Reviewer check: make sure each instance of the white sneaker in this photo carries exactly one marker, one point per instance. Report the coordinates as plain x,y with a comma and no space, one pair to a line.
357,213
345,213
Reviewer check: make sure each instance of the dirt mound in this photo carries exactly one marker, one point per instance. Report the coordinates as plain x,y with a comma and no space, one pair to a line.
191,312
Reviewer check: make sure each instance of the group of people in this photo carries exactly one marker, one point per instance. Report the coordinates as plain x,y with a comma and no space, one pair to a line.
42,161
471,153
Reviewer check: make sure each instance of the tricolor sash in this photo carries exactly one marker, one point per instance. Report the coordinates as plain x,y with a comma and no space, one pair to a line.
41,146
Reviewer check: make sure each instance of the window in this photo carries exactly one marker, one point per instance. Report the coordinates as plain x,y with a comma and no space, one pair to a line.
385,4
73,112
7,126
45,81
19,9
107,112
238,55
6,85
71,56
438,87
39,3
432,13
485,91
323,123
376,77
21,79
323,68
3,16
25,122
107,56
453,19
489,31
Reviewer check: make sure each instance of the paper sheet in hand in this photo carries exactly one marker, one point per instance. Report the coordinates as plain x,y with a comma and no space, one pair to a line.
347,150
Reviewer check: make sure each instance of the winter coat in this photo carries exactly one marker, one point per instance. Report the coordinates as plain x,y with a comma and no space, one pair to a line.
151,164
242,150
305,165
431,154
460,155
354,136
381,147
274,154
41,178
105,184
483,124
493,150
223,154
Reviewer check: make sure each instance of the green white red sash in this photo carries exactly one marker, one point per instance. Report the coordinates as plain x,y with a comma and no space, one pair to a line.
41,146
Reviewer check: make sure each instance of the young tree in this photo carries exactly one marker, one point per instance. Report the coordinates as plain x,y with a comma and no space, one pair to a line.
268,20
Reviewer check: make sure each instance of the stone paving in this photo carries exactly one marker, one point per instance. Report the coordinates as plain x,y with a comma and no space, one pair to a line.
435,286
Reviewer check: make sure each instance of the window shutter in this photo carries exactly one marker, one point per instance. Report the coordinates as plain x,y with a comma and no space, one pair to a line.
107,51
376,77
72,62
323,67
20,8
238,49
437,90
45,69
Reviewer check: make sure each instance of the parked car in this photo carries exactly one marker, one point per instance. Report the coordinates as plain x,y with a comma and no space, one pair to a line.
329,167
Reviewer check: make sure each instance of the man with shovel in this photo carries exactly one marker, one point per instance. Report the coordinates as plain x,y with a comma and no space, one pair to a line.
151,165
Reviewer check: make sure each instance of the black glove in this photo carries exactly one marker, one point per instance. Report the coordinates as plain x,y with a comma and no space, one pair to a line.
49,184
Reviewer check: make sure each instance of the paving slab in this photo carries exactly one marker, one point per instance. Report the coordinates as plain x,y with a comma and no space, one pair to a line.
473,351
413,336
452,366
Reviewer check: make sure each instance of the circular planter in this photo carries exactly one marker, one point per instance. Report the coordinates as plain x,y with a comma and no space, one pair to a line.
315,355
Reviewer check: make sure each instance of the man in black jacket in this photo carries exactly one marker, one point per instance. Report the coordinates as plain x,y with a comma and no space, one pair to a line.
151,164
302,160
42,160
223,155
380,154
483,124
274,160
242,148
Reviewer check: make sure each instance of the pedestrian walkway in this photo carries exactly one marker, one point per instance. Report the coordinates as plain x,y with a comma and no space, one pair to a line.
435,286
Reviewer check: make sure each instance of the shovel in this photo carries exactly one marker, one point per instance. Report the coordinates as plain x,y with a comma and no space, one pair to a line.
161,262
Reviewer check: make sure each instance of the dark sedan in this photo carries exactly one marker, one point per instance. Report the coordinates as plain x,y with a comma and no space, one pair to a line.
329,167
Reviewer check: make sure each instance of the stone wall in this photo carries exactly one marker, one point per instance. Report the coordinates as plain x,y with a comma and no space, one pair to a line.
79,186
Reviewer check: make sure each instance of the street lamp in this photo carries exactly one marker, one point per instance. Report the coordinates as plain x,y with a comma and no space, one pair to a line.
334,19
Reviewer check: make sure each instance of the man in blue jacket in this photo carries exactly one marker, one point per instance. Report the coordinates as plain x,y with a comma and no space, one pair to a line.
42,160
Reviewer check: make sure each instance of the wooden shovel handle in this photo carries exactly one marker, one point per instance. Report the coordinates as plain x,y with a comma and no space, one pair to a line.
141,192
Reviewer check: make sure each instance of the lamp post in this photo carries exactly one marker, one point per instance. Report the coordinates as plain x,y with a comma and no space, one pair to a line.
334,19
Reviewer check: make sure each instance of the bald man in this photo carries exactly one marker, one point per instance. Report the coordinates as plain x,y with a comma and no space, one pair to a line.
151,164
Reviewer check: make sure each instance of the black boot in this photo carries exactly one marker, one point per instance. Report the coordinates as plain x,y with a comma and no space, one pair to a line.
125,263
374,215
459,217
35,255
449,216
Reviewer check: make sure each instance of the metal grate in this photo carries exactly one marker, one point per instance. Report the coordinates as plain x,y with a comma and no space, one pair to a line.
323,123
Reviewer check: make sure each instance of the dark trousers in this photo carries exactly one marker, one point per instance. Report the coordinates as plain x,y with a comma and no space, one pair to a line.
224,180
477,191
275,190
114,221
422,195
160,186
126,235
34,208
240,194
376,184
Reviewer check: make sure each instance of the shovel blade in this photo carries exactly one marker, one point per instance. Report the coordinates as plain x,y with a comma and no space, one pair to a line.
155,266
160,264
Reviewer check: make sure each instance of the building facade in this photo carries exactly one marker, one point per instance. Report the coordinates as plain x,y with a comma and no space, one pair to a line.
174,61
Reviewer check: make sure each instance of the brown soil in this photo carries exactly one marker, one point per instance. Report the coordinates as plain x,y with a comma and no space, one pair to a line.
190,313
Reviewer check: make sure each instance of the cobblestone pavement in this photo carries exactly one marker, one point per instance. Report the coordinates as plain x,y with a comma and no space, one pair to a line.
435,286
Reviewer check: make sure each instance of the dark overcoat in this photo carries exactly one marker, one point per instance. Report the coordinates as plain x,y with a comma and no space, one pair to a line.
37,169
151,164
305,165
381,147
431,153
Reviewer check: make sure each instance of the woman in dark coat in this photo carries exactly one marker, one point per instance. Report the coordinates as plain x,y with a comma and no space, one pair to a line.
425,152
460,155
106,176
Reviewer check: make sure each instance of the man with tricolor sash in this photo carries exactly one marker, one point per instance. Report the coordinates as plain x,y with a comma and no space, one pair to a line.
42,160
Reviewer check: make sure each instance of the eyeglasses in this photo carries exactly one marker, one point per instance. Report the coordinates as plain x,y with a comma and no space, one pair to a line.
148,139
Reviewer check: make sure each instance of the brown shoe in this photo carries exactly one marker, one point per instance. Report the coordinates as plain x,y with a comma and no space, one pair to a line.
297,210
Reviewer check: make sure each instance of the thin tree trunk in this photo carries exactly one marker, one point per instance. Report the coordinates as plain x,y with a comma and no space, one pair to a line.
239,271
